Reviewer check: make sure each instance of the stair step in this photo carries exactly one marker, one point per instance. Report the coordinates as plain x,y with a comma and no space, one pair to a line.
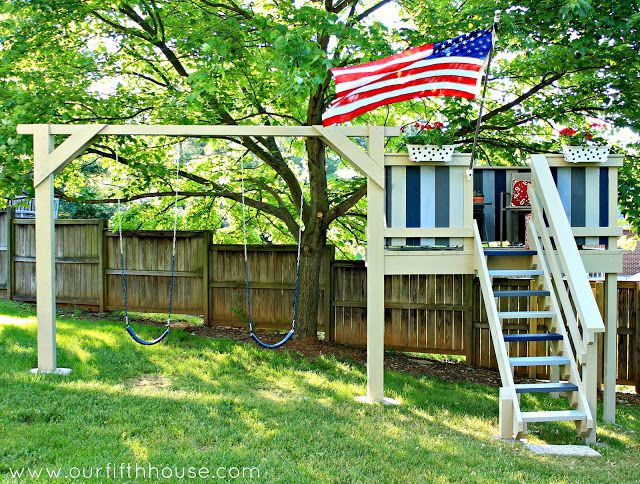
545,387
538,360
525,337
508,252
553,416
527,293
515,272
526,314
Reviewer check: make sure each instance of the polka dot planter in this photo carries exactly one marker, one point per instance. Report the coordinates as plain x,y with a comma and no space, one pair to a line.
586,154
431,152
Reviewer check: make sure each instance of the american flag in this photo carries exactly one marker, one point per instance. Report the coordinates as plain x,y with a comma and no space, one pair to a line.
449,68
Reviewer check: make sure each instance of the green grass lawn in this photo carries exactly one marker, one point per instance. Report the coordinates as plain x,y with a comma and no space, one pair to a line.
196,402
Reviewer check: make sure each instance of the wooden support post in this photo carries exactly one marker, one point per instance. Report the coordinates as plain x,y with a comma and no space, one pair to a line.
206,289
610,346
600,295
102,258
611,311
375,272
10,253
43,144
505,412
590,380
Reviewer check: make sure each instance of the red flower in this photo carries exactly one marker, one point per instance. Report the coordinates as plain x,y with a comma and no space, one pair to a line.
428,127
588,135
417,125
567,132
438,125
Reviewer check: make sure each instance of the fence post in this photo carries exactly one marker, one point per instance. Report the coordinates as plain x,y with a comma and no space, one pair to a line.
469,341
327,295
206,290
10,251
102,258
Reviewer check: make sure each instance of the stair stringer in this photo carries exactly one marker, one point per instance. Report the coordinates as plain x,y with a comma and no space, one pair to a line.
517,428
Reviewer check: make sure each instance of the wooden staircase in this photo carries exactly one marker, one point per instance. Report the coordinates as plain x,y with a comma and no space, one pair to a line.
565,377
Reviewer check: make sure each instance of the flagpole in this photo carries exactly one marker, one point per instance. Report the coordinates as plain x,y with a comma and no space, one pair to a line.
494,28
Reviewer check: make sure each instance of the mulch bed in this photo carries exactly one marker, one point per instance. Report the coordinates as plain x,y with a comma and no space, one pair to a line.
445,370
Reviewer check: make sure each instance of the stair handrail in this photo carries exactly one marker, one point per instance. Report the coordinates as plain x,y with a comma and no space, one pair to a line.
499,345
573,373
546,193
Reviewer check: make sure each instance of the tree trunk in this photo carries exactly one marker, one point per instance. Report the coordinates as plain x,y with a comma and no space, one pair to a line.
313,249
314,241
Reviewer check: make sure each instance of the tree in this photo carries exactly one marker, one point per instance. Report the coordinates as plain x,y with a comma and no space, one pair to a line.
266,62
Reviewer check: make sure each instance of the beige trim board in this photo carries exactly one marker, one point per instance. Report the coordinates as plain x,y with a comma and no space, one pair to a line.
203,130
424,232
402,159
428,262
596,231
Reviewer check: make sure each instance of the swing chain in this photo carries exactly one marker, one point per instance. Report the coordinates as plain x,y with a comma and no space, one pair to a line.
173,249
246,264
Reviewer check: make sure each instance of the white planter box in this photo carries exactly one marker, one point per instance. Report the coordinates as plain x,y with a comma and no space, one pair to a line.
431,152
585,154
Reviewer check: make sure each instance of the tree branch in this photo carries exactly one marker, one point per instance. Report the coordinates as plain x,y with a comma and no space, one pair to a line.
344,206
370,10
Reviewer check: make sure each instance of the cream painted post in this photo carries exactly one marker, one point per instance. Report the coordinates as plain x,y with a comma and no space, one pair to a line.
505,412
590,380
375,273
611,312
610,346
43,144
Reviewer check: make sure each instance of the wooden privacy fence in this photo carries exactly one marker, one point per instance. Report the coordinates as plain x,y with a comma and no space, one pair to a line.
209,279
445,314
431,314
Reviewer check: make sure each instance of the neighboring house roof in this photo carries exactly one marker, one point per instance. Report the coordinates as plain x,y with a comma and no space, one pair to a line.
631,259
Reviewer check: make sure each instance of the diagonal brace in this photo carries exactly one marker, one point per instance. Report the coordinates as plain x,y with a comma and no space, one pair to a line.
71,148
352,153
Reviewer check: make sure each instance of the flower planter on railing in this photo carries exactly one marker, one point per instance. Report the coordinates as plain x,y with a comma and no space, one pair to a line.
586,154
431,152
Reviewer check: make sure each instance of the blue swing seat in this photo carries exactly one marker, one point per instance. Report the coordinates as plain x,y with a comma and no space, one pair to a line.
145,342
273,346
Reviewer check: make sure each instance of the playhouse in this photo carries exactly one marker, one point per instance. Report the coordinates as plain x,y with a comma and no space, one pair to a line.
422,219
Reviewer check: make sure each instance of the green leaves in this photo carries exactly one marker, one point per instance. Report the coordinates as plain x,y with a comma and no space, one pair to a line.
178,62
